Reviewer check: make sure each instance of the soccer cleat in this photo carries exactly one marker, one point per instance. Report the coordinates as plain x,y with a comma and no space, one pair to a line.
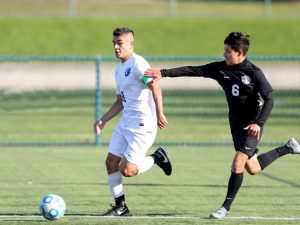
162,160
118,210
219,214
294,146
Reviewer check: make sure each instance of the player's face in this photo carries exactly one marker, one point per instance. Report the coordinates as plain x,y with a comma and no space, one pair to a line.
123,46
232,57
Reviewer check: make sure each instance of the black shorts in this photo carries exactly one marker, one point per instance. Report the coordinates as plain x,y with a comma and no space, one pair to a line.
243,142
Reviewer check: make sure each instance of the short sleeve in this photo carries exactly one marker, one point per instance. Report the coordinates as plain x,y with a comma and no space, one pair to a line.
141,65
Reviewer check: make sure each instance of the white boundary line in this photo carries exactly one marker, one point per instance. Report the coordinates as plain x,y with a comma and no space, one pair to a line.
36,217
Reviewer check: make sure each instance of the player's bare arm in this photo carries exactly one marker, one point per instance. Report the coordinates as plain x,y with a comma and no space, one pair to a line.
154,73
114,110
157,96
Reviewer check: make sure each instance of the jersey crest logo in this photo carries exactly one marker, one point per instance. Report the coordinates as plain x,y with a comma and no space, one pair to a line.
127,71
246,79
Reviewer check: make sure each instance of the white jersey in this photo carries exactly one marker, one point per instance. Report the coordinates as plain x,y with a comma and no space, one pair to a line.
139,107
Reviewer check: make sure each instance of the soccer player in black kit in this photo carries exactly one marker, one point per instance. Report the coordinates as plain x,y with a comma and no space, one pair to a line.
244,85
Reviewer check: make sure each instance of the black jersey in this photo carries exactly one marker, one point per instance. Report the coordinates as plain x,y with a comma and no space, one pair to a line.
243,85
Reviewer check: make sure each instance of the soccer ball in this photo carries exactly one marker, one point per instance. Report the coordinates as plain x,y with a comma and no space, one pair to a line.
52,207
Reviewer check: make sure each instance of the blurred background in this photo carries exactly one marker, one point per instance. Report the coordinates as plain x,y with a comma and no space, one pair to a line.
57,65
151,8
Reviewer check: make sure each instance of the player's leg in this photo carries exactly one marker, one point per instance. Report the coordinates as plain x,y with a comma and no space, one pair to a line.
291,147
234,184
136,161
159,157
112,163
257,163
127,168
245,147
252,166
115,180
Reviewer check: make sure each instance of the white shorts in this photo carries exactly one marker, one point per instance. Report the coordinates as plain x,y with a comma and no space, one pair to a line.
131,143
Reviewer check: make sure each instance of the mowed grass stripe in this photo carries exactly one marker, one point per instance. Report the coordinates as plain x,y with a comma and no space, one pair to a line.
38,217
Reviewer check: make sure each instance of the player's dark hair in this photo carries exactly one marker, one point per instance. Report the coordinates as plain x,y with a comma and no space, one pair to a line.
238,41
122,30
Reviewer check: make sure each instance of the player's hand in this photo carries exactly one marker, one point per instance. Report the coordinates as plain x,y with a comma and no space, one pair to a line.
162,121
98,126
253,130
154,73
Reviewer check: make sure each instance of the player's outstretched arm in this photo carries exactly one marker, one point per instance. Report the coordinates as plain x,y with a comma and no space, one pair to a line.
116,107
154,73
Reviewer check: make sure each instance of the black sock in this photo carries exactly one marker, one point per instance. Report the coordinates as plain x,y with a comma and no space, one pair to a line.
120,200
267,158
234,184
156,156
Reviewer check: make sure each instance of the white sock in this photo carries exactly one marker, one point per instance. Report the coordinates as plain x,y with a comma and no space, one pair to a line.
115,184
145,164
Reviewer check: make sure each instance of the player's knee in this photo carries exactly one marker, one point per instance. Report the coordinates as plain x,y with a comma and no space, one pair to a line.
239,162
252,166
237,168
128,172
253,173
127,168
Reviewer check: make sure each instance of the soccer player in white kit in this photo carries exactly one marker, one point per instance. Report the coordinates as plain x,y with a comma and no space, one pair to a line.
141,103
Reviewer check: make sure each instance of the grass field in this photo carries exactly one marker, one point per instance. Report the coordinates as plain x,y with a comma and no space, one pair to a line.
200,177
193,115
196,187
92,36
157,8
45,28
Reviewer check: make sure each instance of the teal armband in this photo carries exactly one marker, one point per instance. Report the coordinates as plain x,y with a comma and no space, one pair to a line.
146,80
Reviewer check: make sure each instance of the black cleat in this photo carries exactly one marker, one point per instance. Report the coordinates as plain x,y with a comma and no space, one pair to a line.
162,160
118,210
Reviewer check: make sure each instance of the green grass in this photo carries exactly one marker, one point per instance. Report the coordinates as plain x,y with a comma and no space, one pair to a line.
162,36
137,9
199,28
56,116
197,186
193,116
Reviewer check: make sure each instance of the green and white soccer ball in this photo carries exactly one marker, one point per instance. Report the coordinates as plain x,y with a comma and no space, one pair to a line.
52,207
